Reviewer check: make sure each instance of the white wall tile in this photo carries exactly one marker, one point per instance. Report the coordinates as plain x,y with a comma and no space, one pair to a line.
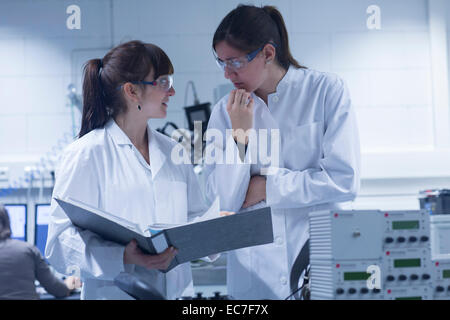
52,56
189,53
12,100
403,15
358,83
351,15
31,95
419,126
400,87
125,21
12,56
13,134
380,50
312,50
392,128
48,131
175,17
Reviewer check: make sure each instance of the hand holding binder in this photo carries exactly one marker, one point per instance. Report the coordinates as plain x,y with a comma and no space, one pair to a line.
134,255
193,240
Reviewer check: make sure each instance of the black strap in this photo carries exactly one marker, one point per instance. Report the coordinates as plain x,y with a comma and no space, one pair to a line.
301,264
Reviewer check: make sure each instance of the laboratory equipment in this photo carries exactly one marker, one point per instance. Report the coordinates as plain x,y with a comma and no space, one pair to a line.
164,131
436,201
441,276
372,254
440,253
440,236
200,113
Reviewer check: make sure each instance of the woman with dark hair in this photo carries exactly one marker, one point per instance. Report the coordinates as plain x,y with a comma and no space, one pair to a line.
122,166
21,264
309,121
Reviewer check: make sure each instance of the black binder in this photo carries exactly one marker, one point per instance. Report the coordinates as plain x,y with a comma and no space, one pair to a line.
193,240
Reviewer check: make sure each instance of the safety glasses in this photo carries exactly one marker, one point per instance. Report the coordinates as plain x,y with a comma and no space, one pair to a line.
163,82
237,64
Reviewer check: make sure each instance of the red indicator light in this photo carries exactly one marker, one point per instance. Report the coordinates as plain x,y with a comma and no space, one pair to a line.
338,265
389,291
336,215
437,264
388,253
386,214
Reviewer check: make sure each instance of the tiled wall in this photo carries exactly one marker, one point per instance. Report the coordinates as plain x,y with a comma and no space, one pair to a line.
388,71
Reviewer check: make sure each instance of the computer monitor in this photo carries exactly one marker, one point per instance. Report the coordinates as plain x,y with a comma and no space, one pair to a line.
41,226
18,220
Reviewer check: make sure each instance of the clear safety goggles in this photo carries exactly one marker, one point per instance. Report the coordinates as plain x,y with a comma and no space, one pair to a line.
237,64
163,82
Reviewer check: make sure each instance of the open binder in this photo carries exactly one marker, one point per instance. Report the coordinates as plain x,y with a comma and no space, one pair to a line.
193,240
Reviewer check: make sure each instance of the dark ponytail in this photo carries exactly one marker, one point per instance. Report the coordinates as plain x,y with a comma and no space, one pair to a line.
95,112
129,62
248,28
285,57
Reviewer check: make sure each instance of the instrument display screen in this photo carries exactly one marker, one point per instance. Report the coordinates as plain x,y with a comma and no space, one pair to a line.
405,225
406,263
356,276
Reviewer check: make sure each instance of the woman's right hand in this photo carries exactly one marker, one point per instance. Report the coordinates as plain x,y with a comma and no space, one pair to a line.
134,255
240,109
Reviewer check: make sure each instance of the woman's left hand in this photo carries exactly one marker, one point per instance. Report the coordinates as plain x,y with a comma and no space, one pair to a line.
256,191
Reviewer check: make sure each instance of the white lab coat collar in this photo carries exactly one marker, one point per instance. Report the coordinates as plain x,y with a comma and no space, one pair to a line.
118,136
287,80
157,157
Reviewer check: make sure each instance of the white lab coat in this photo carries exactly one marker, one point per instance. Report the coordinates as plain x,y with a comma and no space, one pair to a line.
319,166
103,169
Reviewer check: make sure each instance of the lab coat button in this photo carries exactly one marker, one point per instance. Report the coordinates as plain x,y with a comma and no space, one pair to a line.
283,280
275,99
279,241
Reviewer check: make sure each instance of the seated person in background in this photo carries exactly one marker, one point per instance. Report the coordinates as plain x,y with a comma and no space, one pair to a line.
21,264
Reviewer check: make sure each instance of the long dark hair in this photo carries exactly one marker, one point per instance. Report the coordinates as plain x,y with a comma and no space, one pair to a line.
5,225
128,62
248,28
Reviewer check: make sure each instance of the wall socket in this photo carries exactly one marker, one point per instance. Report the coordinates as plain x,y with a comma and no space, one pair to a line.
4,173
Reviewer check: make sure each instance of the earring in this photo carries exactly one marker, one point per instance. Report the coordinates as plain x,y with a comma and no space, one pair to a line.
139,107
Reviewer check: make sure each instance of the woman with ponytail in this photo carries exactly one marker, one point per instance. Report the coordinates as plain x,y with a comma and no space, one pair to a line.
122,166
311,133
